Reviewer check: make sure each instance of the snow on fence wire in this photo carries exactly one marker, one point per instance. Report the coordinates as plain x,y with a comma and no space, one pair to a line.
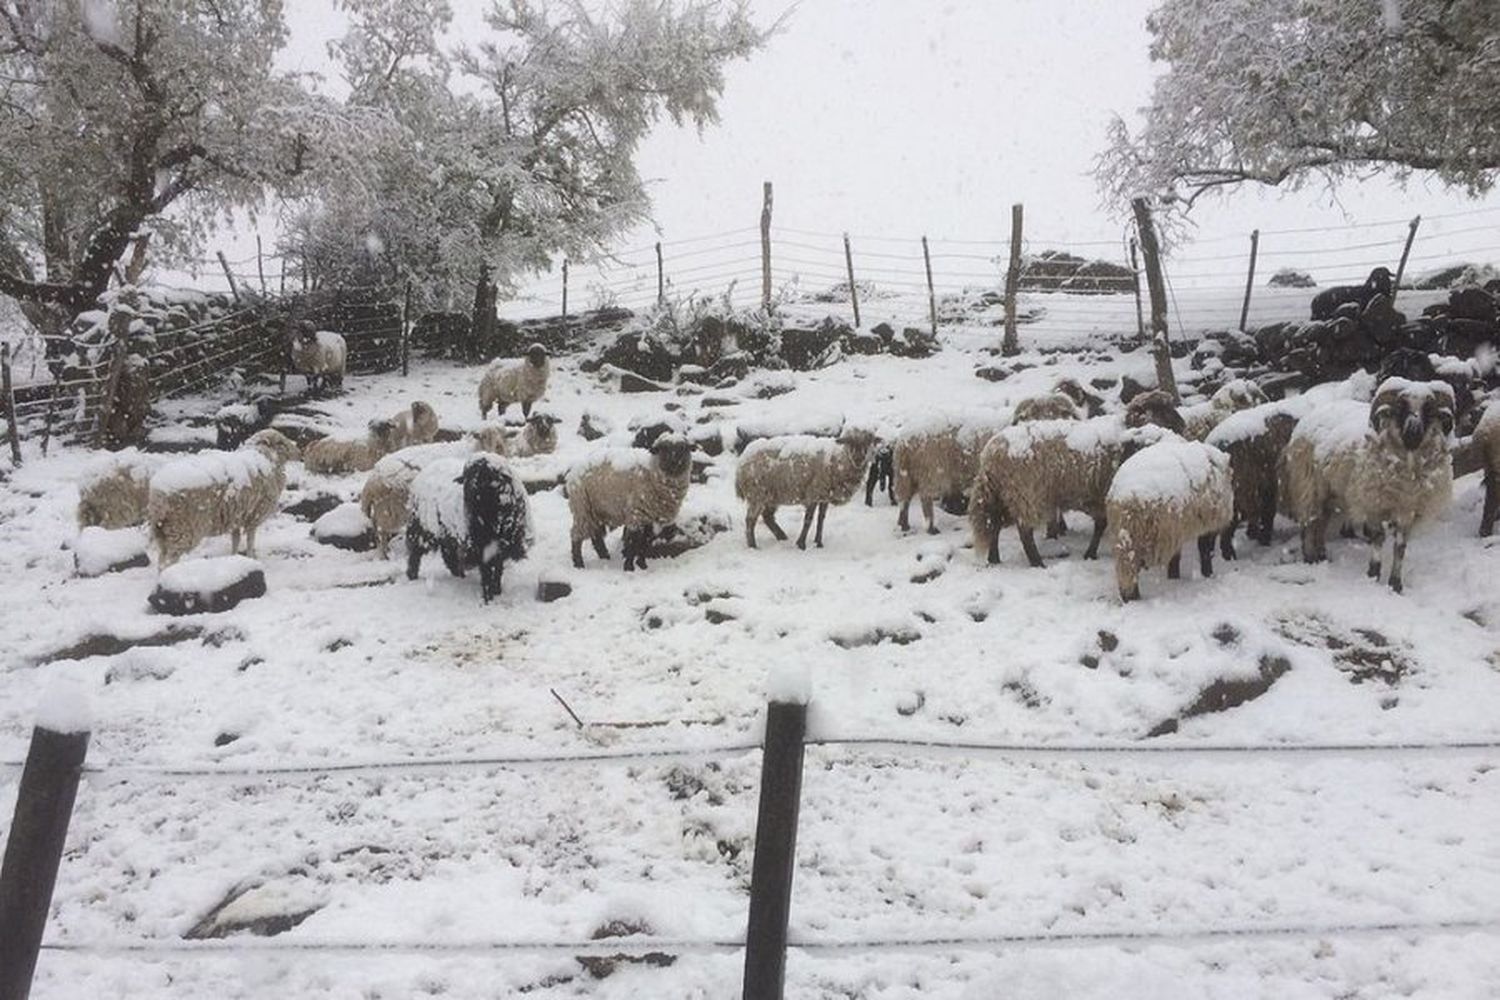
55,763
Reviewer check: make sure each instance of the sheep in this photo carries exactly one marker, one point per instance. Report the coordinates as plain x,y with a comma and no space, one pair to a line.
1326,303
628,488
523,382
1162,497
1231,397
800,469
384,496
216,493
1030,471
1064,402
1386,467
1487,441
882,473
1254,440
938,458
417,424
1155,407
335,455
470,510
113,492
538,437
319,355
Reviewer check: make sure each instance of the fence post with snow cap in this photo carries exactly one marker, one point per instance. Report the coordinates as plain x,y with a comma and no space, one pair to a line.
38,831
787,695
1010,344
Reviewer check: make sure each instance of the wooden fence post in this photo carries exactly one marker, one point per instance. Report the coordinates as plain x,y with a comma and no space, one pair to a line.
33,851
931,296
765,247
406,331
565,293
1010,344
260,265
233,288
1411,234
775,849
484,312
1250,278
1160,345
853,289
661,278
1135,272
6,386
112,383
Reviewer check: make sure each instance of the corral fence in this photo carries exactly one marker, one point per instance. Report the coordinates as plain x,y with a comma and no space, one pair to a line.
56,761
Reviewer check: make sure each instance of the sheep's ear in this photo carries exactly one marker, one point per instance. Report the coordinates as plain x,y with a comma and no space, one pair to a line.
1379,412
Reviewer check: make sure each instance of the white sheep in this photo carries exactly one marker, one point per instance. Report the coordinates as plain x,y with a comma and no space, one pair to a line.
936,458
319,355
1385,466
386,491
1231,397
800,469
522,382
1161,498
112,493
629,488
217,493
337,455
538,437
1487,440
416,424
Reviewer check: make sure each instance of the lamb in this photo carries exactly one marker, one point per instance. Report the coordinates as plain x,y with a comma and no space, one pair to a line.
1326,303
470,510
628,488
216,493
1231,397
1487,442
113,493
800,469
1162,497
523,382
1030,471
319,355
335,455
882,473
387,490
1254,440
1386,467
539,437
417,424
938,458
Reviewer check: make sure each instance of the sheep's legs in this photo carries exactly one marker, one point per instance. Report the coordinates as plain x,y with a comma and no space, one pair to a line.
1206,554
1398,556
1261,526
489,578
1057,527
1092,552
1028,545
453,557
870,480
769,517
903,518
577,557
1314,541
1226,539
807,519
525,408
750,518
250,540
818,535
1491,505
928,514
1377,547
1174,567
234,541
600,549
414,557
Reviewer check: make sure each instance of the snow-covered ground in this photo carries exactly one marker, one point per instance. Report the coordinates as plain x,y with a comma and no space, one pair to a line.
1145,873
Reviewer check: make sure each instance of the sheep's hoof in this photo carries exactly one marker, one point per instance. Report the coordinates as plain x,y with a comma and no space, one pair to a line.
1373,571
577,564
802,545
1396,584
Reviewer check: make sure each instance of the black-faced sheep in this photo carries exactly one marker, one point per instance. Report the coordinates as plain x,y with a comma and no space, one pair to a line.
1161,498
113,492
1155,408
1385,466
538,437
813,472
1254,440
385,496
523,382
472,511
937,458
337,455
627,488
1232,397
1487,441
217,493
882,474
319,355
416,424
1326,303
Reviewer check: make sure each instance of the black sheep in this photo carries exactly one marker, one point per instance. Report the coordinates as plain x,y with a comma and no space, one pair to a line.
1326,303
495,523
882,474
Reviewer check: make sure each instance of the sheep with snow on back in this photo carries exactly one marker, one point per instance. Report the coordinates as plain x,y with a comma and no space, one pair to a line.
1254,440
813,472
538,437
627,488
217,493
473,511
337,455
1161,498
1030,471
1487,440
937,458
1155,408
416,424
319,355
1231,397
523,382
1064,402
385,496
1385,466
1326,303
113,492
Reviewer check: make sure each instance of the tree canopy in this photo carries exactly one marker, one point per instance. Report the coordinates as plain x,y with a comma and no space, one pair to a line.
1292,91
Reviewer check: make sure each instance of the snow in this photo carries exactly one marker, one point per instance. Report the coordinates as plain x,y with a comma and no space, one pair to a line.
1168,471
794,446
206,576
138,465
1251,422
344,521
789,683
66,706
437,499
212,468
1417,391
97,549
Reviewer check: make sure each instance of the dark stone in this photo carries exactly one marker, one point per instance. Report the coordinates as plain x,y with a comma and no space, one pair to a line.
1130,388
548,591
224,739
990,373
804,350
135,561
313,507
884,331
716,617
640,355
171,602
541,484
1290,278
362,542
718,401
1101,276
1222,694
589,430
1471,303
1408,364
914,342
212,926
1108,641
99,644
1103,382
1462,337
631,382
735,365
708,440
864,343
679,538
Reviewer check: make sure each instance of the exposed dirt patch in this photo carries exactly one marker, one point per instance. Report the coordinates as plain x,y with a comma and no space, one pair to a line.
103,644
1363,654
1225,693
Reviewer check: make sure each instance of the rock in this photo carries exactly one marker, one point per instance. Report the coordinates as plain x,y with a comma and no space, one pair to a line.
592,427
264,910
804,350
864,343
914,342
991,373
1408,364
685,535
1381,322
884,331
1131,387
99,550
549,589
1101,276
736,365
312,507
1289,277
640,355
345,527
1462,337
543,482
631,382
195,586
1471,303
1102,382
709,440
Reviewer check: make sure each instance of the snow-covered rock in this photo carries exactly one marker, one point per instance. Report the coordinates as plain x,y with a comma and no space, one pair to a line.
194,586
100,550
345,527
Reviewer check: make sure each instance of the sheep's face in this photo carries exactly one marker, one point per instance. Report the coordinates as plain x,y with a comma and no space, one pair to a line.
857,439
420,411
536,355
673,454
1154,407
382,433
275,445
1239,395
1380,280
1412,414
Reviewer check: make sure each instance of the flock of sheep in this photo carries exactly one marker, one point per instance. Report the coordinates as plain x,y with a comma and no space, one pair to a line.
1159,475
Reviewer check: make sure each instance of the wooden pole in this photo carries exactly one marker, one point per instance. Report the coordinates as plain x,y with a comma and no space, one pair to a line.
33,851
853,290
1250,278
482,304
765,247
14,432
565,292
283,276
931,296
233,288
1160,346
112,384
260,264
775,851
661,278
406,331
47,420
1411,234
1135,271
1010,344
304,272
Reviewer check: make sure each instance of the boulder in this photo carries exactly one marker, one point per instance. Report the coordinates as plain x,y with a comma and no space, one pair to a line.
804,350
195,586
99,550
345,527
592,427
1289,277
552,588
686,534
312,507
1471,303
640,355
